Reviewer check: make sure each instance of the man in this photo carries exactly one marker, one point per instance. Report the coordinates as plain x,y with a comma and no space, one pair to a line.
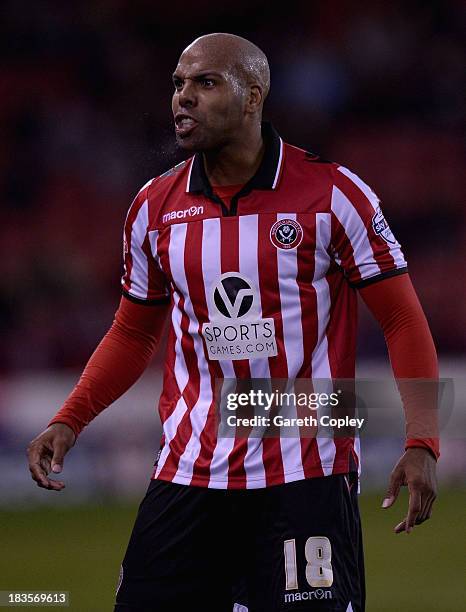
256,249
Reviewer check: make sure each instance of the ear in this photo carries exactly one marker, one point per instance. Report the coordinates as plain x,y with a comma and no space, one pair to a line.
254,98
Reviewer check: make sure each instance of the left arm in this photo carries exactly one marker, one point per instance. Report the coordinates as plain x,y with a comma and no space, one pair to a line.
394,304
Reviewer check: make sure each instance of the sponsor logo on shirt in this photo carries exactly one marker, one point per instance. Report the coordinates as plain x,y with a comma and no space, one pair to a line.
192,211
308,595
236,330
286,234
381,227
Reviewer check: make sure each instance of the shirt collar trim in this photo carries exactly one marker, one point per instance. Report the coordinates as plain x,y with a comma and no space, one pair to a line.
266,177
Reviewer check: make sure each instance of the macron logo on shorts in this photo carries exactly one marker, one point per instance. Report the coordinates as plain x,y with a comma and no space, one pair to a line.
192,211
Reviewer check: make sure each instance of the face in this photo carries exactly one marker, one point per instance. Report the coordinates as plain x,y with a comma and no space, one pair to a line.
208,102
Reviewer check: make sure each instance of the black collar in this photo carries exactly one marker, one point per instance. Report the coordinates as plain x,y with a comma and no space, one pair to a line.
266,176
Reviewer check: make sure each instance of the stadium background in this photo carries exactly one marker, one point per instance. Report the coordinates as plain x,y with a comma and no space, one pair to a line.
85,121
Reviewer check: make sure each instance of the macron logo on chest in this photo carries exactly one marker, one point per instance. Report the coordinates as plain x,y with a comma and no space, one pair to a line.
192,211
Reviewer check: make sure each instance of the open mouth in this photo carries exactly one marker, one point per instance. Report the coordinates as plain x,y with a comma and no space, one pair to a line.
184,125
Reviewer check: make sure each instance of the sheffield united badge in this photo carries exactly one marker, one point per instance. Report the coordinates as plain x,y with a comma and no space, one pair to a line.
286,234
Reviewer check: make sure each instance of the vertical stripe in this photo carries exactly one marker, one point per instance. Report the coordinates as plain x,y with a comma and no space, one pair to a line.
205,234
343,252
176,375
357,452
190,392
248,266
138,276
366,190
199,413
387,255
156,282
230,263
356,233
188,182
309,331
172,410
321,373
153,241
271,307
211,270
287,267
279,165
139,201
172,420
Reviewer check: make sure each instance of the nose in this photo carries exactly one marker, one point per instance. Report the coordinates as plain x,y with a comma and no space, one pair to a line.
187,95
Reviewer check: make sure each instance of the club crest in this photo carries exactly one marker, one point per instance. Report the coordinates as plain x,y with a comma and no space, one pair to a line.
286,234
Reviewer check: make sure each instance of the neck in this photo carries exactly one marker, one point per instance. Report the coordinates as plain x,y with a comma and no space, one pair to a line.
238,161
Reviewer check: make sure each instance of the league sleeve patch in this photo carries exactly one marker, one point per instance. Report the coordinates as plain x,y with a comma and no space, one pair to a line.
381,227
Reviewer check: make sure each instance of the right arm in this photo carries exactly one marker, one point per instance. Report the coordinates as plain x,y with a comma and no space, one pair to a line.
123,353
116,364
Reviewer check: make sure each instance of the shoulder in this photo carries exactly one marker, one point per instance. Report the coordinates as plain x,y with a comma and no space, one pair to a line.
331,183
351,188
313,165
160,185
308,174
308,164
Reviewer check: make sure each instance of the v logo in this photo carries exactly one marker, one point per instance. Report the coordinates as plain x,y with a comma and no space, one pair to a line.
233,295
233,308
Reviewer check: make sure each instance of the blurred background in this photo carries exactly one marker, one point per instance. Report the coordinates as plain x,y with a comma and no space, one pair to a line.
85,118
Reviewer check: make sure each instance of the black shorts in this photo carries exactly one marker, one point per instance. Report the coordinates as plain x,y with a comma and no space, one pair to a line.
291,547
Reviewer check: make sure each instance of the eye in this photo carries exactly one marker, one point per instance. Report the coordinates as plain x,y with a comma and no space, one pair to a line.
207,82
178,83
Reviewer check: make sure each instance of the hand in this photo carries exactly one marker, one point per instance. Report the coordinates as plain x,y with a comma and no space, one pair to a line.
416,469
46,453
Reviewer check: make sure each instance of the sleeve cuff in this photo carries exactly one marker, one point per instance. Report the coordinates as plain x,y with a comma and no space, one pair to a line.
431,444
163,299
66,421
379,277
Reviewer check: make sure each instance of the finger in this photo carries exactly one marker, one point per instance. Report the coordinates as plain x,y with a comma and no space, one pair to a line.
59,451
42,481
39,467
39,451
55,485
396,481
426,498
427,512
38,474
421,517
45,464
36,467
52,485
414,508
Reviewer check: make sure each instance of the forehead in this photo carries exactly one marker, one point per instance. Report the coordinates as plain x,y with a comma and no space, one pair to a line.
195,60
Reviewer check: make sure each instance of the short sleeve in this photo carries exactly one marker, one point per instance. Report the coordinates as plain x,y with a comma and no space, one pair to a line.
143,280
362,242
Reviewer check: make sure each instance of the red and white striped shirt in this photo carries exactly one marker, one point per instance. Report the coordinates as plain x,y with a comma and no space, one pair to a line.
272,276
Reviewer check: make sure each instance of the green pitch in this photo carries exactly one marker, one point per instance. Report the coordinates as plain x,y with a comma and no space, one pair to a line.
79,550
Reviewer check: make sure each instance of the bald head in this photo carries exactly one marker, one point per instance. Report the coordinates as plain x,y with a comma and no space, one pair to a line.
221,82
246,62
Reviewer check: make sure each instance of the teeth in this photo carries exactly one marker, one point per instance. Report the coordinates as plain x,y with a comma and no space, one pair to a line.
186,122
